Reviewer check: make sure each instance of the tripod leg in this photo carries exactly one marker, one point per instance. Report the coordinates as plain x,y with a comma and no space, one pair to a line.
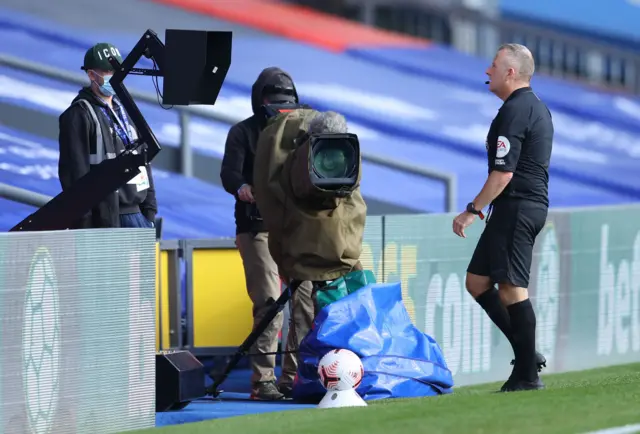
274,309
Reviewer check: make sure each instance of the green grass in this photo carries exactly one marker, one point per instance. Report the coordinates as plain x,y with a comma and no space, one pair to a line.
572,403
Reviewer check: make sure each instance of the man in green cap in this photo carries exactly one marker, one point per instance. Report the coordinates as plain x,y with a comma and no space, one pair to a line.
96,128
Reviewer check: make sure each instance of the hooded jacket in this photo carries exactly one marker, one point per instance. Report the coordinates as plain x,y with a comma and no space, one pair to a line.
83,145
240,150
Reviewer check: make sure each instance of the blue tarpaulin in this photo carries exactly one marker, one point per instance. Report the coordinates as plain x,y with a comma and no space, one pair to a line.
399,360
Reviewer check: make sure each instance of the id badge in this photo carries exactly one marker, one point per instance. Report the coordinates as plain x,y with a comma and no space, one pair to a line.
141,180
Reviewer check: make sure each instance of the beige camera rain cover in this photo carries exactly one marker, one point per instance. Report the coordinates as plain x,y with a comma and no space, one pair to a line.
307,241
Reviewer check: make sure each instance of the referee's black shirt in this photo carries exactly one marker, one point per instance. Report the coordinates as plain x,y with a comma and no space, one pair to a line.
520,141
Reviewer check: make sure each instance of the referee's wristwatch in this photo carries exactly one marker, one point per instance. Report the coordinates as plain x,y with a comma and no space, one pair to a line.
471,208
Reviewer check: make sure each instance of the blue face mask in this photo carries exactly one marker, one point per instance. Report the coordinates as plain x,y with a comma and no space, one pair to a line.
106,88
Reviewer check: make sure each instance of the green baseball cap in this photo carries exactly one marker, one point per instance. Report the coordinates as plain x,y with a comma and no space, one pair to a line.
97,57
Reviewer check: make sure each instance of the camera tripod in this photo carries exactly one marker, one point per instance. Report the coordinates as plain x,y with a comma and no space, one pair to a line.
274,309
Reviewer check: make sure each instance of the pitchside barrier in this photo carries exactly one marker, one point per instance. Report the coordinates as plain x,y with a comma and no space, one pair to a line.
585,286
77,352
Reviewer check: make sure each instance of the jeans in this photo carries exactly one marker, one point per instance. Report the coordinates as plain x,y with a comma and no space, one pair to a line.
135,220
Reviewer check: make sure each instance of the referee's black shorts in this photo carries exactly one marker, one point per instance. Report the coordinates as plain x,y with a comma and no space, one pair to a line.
505,249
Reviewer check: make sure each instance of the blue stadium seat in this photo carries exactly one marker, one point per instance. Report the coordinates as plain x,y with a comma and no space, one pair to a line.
400,111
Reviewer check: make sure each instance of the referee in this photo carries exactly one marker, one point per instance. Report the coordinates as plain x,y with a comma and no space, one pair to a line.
519,149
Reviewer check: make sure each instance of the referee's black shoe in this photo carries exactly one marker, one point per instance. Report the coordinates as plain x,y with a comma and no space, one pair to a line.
541,362
522,385
515,383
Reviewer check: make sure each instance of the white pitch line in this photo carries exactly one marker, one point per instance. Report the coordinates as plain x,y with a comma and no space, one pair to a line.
625,429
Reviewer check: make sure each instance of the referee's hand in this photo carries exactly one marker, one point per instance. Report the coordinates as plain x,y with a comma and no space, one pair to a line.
461,222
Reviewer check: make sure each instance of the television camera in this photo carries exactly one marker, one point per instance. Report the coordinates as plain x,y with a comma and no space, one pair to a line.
307,189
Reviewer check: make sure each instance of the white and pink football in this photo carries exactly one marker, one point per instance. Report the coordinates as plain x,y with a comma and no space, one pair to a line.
340,370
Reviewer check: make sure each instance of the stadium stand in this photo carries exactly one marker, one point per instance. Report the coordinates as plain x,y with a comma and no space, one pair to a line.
423,119
586,120
614,21
293,22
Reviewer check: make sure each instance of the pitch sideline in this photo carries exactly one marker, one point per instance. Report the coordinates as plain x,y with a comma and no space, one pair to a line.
624,429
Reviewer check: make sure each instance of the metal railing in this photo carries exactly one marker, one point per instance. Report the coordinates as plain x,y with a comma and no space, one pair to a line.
21,195
186,112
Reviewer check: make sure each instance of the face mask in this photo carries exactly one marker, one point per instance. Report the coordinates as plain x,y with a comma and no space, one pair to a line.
106,88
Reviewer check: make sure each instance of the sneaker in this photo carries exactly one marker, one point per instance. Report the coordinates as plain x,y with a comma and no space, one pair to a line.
266,391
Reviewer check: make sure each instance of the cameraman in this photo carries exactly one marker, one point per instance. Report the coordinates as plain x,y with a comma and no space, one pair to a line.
273,85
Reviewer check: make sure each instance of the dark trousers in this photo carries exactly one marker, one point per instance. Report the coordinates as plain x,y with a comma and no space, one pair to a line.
134,220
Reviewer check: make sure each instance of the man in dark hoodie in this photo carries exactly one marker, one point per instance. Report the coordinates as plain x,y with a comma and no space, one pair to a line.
261,272
96,128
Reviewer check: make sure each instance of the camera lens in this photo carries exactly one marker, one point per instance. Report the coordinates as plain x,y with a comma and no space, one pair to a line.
333,159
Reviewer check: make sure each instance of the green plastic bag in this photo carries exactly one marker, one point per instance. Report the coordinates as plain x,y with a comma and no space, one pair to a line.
342,287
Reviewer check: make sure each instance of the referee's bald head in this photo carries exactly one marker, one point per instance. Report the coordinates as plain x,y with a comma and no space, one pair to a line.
520,59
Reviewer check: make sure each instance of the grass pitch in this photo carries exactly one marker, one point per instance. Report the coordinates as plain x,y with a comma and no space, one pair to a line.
573,403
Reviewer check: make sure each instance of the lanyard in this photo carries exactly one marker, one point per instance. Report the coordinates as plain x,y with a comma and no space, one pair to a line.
121,126
118,126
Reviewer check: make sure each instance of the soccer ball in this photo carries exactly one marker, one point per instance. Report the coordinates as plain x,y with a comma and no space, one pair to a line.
340,370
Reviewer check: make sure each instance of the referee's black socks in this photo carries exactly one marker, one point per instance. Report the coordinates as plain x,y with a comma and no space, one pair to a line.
491,303
523,325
